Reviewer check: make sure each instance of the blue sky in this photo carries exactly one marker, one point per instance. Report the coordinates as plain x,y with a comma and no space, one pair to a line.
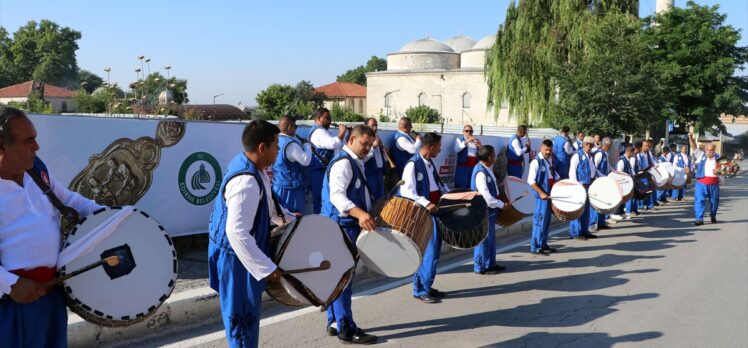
240,47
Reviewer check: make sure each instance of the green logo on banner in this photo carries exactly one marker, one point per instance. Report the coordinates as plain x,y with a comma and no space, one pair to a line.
199,178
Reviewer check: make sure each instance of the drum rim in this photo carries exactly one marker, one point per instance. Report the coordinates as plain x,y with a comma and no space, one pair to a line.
411,241
92,315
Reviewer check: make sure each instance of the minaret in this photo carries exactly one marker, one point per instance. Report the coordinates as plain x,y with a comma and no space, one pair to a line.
663,5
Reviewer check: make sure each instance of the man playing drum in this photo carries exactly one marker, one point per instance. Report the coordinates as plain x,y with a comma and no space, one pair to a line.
599,221
30,315
681,160
666,156
625,166
423,185
541,177
515,153
290,177
707,182
646,160
582,169
405,144
466,147
239,255
484,181
325,144
346,199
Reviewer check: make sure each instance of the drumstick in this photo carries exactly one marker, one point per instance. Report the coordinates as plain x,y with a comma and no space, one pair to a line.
556,197
322,266
461,205
112,261
394,188
518,198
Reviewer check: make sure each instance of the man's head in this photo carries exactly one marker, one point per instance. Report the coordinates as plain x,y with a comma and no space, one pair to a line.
638,146
287,125
487,155
17,143
565,131
405,125
260,140
606,143
580,136
711,149
546,148
597,139
684,149
432,145
521,130
646,145
587,144
629,150
372,123
360,140
322,117
665,149
467,131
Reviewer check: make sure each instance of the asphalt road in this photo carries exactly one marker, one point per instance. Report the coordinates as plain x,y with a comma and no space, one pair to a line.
656,281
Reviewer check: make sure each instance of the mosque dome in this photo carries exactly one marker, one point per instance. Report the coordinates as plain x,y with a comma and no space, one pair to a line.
460,43
485,43
424,54
425,45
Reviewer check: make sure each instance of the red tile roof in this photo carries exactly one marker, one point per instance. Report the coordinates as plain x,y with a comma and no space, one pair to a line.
342,90
23,89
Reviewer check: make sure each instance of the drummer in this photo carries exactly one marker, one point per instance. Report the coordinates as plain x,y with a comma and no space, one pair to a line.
582,170
425,187
600,221
515,153
484,181
326,143
666,156
624,165
346,199
646,161
562,151
374,164
681,160
707,182
239,256
541,177
466,147
30,315
290,177
578,142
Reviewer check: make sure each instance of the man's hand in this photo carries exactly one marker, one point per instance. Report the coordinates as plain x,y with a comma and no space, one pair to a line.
378,142
544,196
275,276
26,291
477,142
432,208
341,131
418,137
366,222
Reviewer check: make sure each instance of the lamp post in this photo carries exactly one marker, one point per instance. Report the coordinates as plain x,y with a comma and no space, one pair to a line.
216,96
148,61
107,69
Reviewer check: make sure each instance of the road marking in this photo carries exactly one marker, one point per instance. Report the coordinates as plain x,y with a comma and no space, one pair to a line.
214,336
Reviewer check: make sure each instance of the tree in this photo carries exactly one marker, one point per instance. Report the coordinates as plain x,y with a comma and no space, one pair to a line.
340,113
305,99
537,37
33,104
299,101
422,114
45,52
7,72
89,103
696,56
275,99
155,83
358,74
86,80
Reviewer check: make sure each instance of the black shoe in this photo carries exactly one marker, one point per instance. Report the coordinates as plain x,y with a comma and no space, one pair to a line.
604,227
436,293
495,269
590,236
579,237
358,337
636,213
698,223
426,299
549,249
714,220
331,331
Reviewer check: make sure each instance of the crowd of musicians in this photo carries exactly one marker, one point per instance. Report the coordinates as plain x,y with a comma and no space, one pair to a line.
344,168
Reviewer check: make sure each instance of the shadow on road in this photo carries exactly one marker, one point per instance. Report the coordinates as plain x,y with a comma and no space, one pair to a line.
587,339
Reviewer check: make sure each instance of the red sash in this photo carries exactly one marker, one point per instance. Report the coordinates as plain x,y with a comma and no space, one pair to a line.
434,197
515,163
471,162
709,180
40,275
550,184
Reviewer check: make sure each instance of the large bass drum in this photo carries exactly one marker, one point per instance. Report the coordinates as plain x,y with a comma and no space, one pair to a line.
605,195
465,226
520,194
625,183
568,198
643,185
305,243
130,298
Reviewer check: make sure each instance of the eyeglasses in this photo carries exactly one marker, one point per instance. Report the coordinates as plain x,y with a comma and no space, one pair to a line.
468,131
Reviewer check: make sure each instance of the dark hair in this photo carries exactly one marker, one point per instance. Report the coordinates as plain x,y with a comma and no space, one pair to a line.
431,139
485,152
285,122
370,119
319,112
638,144
361,130
628,147
548,142
522,126
258,132
565,129
6,114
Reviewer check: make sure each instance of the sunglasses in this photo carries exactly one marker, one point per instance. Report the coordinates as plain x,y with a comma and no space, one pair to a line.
468,130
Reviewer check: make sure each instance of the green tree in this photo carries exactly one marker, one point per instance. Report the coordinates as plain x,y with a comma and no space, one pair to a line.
340,113
155,83
33,104
86,80
696,56
275,100
422,114
90,103
45,52
305,99
7,71
358,74
537,37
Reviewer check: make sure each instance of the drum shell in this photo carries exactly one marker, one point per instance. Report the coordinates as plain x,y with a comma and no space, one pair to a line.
567,215
465,237
508,216
643,185
614,199
630,194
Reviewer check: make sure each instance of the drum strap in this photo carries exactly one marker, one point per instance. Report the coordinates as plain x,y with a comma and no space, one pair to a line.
69,214
278,209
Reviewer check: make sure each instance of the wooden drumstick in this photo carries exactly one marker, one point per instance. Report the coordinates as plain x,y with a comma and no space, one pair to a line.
112,261
520,197
461,205
324,265
556,197
397,185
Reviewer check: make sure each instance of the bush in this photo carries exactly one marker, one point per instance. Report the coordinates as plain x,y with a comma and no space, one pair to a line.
343,114
423,114
34,104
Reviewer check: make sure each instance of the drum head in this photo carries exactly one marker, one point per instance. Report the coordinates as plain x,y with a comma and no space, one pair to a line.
516,188
625,182
389,252
568,195
605,194
659,176
465,218
126,300
667,167
679,177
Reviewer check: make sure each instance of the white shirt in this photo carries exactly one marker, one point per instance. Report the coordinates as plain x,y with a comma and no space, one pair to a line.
326,139
375,154
668,157
481,184
686,160
30,226
620,166
568,148
533,172
709,164
242,200
577,145
408,190
598,159
407,144
295,153
632,161
341,174
574,163
472,148
517,146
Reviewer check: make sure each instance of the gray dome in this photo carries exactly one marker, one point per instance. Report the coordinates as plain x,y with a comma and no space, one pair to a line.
426,45
165,97
485,43
460,43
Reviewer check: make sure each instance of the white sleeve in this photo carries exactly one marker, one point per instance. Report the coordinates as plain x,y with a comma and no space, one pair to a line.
568,148
598,158
532,172
82,205
405,145
482,187
295,153
242,200
459,145
408,190
620,166
697,154
324,140
517,146
340,178
573,164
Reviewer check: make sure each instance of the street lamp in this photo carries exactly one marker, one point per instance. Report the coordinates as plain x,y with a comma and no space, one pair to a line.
216,96
107,69
148,61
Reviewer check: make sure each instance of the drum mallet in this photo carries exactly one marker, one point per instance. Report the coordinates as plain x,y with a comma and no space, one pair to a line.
112,261
520,197
117,262
324,265
394,188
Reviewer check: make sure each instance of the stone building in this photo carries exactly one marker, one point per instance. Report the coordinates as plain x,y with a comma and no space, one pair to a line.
348,95
60,99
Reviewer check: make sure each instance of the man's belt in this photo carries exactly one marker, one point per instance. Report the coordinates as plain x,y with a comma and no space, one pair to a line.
40,275
515,163
709,180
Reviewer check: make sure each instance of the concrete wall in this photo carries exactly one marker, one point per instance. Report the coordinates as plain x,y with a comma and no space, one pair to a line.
56,103
422,61
357,104
473,59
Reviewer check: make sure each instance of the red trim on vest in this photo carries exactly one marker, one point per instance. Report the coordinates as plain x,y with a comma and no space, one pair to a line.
434,197
709,180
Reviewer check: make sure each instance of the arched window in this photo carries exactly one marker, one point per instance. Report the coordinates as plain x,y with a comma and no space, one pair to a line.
422,99
466,100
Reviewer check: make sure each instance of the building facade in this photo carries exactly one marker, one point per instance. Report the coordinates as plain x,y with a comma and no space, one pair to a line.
60,99
351,96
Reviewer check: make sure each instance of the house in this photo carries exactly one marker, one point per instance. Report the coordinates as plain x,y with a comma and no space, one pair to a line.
60,99
345,94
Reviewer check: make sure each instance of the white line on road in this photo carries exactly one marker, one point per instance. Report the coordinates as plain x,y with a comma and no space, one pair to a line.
214,336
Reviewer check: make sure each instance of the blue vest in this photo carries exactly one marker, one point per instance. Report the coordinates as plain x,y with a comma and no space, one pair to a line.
664,159
241,165
559,152
288,174
510,154
479,168
583,169
401,156
423,187
370,166
700,166
462,156
541,177
327,154
626,165
603,166
356,192
644,158
678,161
579,143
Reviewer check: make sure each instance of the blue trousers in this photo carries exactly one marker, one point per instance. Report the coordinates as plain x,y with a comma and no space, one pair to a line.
581,226
340,310
291,198
678,194
376,183
484,254
629,205
315,185
541,220
515,170
462,176
424,276
662,195
700,195
43,323
648,201
240,296
634,205
597,218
